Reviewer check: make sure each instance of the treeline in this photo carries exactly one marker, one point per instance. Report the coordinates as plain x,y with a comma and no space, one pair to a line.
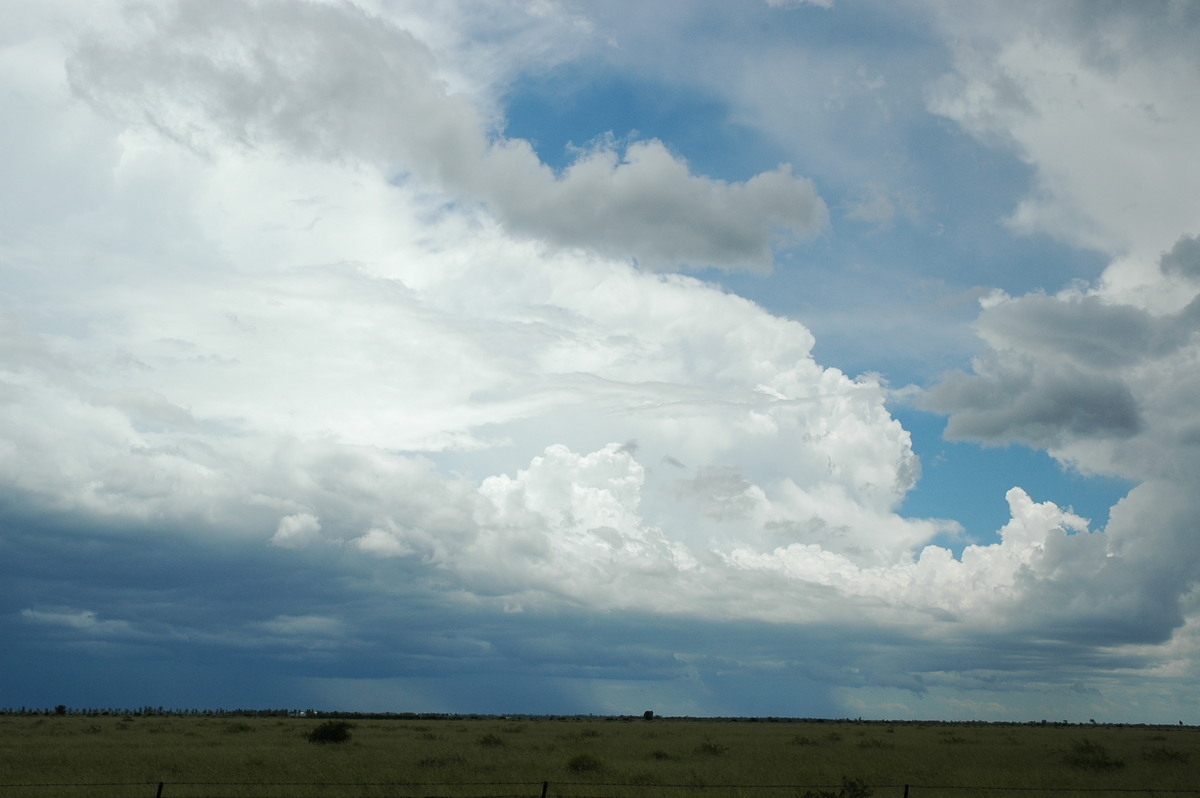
150,711
160,711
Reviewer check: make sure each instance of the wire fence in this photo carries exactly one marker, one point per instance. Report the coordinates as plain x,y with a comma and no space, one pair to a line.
547,789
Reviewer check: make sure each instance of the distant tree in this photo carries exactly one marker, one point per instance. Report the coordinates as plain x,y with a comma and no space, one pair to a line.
648,714
61,709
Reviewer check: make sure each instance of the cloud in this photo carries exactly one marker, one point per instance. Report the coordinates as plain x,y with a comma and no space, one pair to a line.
1064,366
285,351
296,531
333,81
1008,399
877,208
1099,374
1183,258
644,201
1102,385
304,632
1080,94
84,621
798,3
346,365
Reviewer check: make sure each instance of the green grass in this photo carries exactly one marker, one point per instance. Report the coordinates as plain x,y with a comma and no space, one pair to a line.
660,758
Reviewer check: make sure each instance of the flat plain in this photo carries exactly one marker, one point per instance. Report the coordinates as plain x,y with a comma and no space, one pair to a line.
113,756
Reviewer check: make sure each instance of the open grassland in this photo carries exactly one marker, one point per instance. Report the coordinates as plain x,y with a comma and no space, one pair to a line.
659,758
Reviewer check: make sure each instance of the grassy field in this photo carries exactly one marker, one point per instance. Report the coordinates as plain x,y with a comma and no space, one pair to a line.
661,758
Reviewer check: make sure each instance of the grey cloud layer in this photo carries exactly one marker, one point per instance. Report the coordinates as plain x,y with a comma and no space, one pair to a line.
333,81
1014,399
1066,367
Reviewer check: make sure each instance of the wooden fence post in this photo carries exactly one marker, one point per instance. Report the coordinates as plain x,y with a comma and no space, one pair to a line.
905,791
545,788
159,793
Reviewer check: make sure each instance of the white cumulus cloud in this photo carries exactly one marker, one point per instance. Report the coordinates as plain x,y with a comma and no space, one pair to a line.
332,81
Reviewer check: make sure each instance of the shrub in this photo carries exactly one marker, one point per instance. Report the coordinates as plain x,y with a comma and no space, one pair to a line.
491,741
709,748
1163,754
331,731
1087,755
874,742
585,763
658,753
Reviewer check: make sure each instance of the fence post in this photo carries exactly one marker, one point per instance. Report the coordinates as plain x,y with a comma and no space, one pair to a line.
545,787
905,791
159,793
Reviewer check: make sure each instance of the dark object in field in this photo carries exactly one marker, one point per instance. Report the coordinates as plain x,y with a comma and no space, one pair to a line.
1087,755
331,731
585,763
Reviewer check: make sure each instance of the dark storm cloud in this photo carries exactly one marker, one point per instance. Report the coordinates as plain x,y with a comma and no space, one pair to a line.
1090,332
1183,259
1010,399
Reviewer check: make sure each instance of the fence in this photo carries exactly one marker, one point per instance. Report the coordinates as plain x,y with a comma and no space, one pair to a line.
547,789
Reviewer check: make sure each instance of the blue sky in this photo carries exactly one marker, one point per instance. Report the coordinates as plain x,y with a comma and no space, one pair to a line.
753,358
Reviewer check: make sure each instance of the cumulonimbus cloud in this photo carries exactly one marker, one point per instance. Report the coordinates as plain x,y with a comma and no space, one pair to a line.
255,332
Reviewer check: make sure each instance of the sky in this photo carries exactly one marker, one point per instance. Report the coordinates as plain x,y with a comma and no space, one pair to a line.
834,358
